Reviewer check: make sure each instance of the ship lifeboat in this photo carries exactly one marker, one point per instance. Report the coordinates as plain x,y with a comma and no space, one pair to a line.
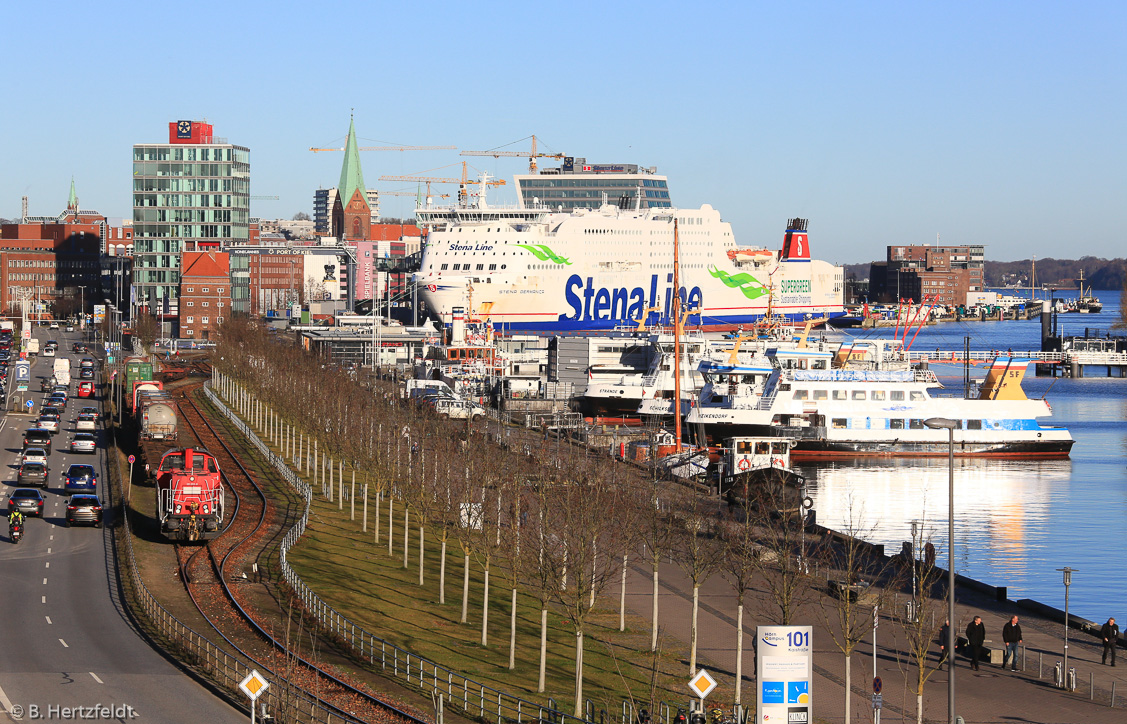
758,256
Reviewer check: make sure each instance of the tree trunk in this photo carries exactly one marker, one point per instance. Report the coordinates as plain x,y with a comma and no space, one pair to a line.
739,652
579,674
693,633
376,516
543,648
422,535
485,608
390,523
442,575
406,535
653,635
920,708
465,587
622,599
513,631
848,685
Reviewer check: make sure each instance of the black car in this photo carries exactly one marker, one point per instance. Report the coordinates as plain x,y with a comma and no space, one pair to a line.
37,437
28,500
33,474
84,508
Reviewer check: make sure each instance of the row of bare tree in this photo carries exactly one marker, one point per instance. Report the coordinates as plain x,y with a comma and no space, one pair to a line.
563,524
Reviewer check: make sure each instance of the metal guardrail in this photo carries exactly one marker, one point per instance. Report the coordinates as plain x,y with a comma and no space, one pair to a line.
224,668
475,699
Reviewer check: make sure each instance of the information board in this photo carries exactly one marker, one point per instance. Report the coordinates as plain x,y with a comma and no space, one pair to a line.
785,673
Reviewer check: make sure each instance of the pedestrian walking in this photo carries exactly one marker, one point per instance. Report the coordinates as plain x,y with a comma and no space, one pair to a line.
1011,637
944,633
1110,635
976,637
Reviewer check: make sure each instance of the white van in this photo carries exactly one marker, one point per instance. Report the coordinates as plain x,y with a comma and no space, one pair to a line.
457,409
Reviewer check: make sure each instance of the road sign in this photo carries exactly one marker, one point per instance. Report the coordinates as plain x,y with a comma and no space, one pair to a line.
876,685
702,684
132,459
254,685
878,700
785,672
30,405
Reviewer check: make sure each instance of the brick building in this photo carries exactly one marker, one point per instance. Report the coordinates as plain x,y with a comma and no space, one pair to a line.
352,216
205,293
918,272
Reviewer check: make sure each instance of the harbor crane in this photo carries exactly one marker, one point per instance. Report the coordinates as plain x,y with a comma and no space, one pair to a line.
520,154
462,182
390,148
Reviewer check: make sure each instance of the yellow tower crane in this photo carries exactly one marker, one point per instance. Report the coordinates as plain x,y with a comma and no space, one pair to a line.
389,148
520,154
462,182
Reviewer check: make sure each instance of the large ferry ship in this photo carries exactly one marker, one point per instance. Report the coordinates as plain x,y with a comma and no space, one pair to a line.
534,268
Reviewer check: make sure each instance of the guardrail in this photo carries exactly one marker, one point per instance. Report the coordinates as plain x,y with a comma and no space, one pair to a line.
475,699
222,667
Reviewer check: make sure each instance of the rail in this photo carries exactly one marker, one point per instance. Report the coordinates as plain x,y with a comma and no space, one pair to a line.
475,699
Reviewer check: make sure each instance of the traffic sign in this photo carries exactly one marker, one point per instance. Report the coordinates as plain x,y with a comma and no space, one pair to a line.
878,700
702,684
132,459
30,404
254,685
876,685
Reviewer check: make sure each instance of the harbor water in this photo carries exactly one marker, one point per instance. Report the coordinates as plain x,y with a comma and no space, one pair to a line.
1016,522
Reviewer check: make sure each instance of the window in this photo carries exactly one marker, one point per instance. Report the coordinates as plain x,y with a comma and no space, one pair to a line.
896,396
840,423
800,395
974,424
204,320
219,290
443,267
858,394
189,290
189,303
917,396
492,267
762,448
821,394
219,304
916,424
840,395
206,303
219,320
479,267
895,424
189,320
876,394
205,290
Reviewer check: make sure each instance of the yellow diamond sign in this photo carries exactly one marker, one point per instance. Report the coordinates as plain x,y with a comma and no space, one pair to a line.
254,685
702,684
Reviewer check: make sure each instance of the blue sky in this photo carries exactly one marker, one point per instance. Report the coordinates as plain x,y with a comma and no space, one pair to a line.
993,123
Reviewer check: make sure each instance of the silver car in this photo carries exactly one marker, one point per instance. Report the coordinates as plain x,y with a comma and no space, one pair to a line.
50,422
83,442
86,421
34,455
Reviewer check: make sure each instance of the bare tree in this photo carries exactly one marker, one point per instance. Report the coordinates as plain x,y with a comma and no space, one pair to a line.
741,550
781,563
918,624
145,329
697,550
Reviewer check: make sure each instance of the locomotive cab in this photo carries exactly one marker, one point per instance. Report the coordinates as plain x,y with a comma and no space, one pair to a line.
190,500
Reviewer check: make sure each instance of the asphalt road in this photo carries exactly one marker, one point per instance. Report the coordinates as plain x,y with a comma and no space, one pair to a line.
64,638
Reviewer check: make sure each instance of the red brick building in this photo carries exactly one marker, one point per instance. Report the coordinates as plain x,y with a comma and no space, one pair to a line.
352,216
921,272
205,293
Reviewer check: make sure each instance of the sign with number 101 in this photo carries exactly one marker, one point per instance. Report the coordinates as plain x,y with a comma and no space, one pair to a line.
785,674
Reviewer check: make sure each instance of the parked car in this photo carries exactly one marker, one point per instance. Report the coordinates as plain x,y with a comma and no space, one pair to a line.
84,442
32,474
28,500
84,508
86,421
80,479
34,455
37,437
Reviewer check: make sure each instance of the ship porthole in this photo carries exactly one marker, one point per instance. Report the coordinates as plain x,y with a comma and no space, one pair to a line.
1038,434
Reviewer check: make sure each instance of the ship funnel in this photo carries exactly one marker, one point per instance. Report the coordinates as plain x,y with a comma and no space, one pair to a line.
796,241
458,325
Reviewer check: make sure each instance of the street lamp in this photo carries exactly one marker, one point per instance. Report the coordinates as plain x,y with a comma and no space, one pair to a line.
943,423
1067,582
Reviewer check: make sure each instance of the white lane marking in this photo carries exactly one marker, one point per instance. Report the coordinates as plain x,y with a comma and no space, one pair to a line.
52,536
44,600
96,678
48,550
64,643
48,564
48,620
44,581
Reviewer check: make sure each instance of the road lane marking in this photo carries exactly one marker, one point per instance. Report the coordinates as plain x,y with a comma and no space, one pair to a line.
48,564
96,678
48,620
5,701
44,600
44,581
64,643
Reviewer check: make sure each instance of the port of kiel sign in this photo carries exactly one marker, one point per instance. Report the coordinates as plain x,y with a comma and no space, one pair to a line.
785,671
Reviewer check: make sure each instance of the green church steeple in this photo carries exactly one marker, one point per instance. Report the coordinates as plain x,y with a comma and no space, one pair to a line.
72,200
351,176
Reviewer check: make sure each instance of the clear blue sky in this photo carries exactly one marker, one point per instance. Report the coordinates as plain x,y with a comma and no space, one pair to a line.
993,123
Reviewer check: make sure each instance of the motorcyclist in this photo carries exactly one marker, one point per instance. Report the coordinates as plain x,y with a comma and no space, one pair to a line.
15,519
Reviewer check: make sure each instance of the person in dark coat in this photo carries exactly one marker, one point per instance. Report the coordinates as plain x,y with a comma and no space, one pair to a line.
1011,637
1109,634
976,637
943,638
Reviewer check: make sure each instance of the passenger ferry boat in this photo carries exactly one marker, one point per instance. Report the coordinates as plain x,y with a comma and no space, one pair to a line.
581,269
866,400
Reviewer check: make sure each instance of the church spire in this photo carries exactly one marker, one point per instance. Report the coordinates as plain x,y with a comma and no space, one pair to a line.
72,200
351,176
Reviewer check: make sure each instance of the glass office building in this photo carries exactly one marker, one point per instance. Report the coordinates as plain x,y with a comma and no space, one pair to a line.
579,184
191,194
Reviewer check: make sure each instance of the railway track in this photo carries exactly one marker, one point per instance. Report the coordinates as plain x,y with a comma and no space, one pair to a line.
206,571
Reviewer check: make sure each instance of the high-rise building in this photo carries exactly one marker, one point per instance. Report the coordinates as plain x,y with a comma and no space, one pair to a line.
942,274
190,194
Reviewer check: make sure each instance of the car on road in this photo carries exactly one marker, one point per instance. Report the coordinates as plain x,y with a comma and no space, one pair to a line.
86,373
32,474
29,501
49,421
90,410
457,409
78,348
70,327
83,442
61,391
54,325
34,455
86,421
55,403
48,352
86,389
80,479
84,508
37,437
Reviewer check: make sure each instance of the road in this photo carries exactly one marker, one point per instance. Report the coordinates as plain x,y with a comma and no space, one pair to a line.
66,641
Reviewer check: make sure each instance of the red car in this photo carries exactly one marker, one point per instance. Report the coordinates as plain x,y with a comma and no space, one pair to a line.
85,389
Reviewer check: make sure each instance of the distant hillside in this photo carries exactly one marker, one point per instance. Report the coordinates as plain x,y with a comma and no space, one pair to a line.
1060,273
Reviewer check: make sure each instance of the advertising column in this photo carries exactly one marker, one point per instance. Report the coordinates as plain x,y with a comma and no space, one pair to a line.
785,671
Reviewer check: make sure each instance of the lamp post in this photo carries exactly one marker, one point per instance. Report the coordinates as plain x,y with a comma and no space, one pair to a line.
1067,582
943,423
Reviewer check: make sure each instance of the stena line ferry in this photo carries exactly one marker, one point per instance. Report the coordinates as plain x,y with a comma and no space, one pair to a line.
534,268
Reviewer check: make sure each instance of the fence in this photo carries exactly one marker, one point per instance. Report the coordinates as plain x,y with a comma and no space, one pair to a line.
474,698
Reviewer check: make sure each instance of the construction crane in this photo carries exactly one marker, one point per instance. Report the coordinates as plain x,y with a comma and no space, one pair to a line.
390,148
530,156
443,180
263,198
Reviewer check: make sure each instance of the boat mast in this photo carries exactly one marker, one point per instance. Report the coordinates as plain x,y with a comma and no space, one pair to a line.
676,337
